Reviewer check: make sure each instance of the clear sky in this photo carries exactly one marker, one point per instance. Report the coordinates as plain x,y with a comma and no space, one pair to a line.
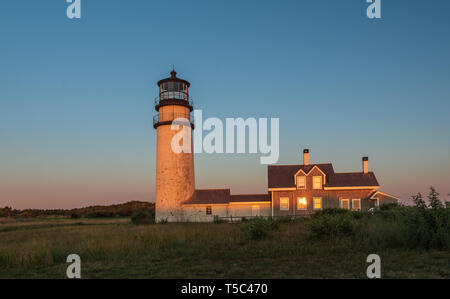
76,96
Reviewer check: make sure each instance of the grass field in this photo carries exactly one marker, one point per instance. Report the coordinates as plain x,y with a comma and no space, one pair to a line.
114,248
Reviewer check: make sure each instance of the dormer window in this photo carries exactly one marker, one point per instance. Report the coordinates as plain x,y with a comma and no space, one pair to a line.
317,182
301,182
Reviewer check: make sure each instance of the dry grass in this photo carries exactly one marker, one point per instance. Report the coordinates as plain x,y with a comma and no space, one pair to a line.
113,248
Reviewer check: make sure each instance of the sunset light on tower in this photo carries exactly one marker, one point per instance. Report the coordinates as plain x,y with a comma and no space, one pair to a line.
175,181
318,146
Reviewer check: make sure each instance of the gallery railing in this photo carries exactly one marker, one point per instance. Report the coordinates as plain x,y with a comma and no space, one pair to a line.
173,96
172,117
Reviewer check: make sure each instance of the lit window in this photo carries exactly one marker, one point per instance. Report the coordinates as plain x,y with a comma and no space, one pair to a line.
284,204
255,211
317,203
301,182
356,203
345,204
317,182
301,203
208,210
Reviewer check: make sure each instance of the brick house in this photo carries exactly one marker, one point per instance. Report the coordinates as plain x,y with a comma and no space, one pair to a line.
297,190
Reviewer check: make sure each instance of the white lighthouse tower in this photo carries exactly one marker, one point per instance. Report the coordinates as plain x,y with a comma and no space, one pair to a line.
175,181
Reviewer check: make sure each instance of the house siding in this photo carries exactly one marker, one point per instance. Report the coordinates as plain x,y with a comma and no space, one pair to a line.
385,199
197,213
330,199
245,210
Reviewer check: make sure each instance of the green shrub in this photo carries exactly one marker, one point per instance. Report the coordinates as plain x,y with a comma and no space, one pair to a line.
219,220
332,225
283,219
257,228
100,214
332,211
392,227
142,217
389,206
74,216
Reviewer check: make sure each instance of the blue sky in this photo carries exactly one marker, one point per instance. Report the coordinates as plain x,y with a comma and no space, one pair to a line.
76,96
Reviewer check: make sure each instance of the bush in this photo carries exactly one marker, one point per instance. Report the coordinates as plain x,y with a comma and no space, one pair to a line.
389,206
74,216
393,226
332,224
100,215
219,220
142,217
283,219
332,211
258,228
409,227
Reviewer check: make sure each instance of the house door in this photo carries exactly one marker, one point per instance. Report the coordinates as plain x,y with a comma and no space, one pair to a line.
255,211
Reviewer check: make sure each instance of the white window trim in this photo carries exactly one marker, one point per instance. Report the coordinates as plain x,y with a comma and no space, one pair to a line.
304,179
356,199
208,208
321,182
321,203
298,206
287,203
377,202
344,199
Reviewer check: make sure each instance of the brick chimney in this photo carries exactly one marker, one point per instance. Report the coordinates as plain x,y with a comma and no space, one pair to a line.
306,157
365,164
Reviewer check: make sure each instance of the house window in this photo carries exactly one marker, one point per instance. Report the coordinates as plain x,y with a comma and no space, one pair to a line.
302,203
356,204
345,204
301,182
317,182
284,204
317,201
208,210
377,202
255,211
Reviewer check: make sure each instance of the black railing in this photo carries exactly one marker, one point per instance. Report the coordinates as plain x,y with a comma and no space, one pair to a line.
173,95
173,117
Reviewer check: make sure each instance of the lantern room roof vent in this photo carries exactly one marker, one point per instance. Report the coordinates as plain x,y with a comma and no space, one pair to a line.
173,78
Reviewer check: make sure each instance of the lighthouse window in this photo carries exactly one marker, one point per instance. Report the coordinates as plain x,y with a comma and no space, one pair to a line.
208,210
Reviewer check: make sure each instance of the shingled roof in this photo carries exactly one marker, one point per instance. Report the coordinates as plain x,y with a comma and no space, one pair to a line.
353,179
282,176
210,196
250,198
222,196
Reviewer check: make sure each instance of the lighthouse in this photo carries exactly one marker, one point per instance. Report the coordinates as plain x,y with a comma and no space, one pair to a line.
175,181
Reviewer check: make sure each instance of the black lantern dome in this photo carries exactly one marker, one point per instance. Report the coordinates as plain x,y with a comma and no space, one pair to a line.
173,91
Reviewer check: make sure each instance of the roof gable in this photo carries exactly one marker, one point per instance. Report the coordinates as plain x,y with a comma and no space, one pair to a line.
283,176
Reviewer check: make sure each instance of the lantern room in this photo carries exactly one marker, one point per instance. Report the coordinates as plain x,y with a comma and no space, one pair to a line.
173,91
